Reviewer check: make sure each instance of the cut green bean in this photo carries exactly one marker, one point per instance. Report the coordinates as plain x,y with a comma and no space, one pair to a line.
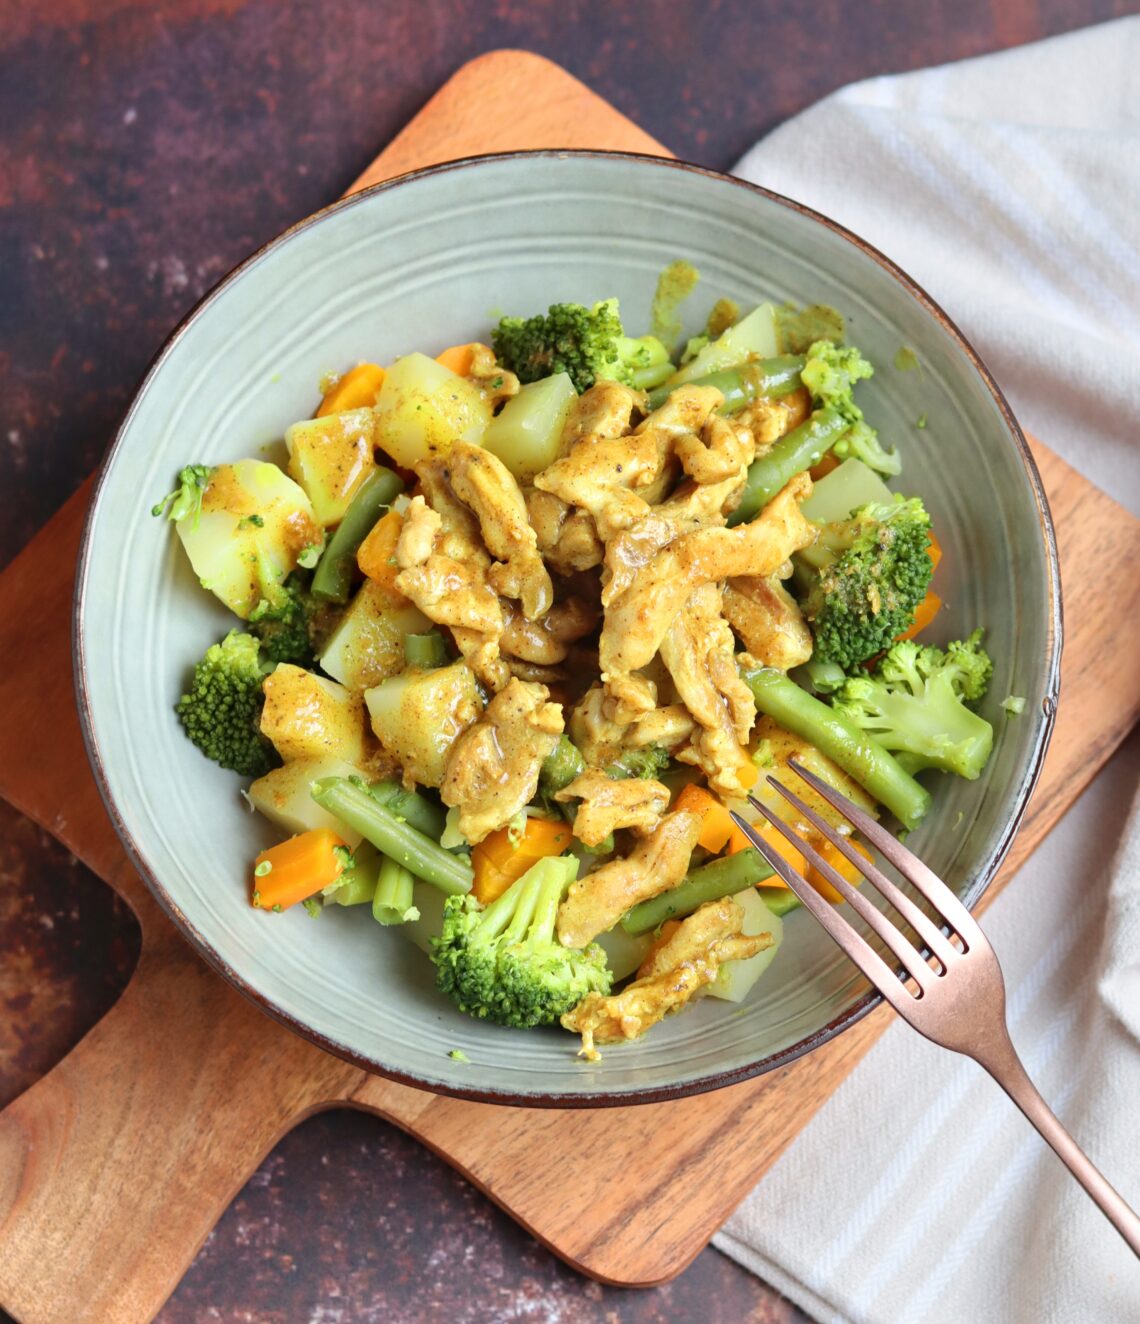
393,834
779,900
332,579
425,652
392,903
719,878
792,454
761,378
873,767
420,812
358,884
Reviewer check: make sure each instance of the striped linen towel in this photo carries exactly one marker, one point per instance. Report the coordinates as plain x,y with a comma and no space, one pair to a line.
1010,187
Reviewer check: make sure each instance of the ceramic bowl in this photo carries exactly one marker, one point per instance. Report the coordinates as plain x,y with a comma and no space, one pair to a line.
426,261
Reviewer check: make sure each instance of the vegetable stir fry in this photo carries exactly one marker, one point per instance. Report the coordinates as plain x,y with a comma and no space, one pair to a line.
523,621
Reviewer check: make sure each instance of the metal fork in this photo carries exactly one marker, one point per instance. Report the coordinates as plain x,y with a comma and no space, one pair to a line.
954,992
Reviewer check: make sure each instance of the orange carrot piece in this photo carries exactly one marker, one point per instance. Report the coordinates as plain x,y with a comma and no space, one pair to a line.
459,358
823,468
358,387
717,828
376,555
934,551
840,863
498,862
296,869
924,613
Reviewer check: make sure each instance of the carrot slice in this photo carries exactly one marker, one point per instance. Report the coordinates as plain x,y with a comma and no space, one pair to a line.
823,468
717,828
376,555
934,551
358,387
498,861
459,358
840,863
924,613
296,869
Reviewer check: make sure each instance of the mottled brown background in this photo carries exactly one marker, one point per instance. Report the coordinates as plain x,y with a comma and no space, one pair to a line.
144,149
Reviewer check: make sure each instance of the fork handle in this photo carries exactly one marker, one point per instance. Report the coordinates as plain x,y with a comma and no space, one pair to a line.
1002,1062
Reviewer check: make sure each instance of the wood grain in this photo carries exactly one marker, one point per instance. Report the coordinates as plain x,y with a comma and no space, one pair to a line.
115,1165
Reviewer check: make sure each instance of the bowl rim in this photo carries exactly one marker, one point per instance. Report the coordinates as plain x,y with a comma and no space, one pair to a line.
566,1098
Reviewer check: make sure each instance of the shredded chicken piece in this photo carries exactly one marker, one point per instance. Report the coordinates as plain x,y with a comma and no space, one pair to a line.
496,383
615,478
698,649
492,768
724,450
688,960
768,420
605,410
567,538
667,726
637,622
769,622
484,483
596,903
547,641
609,804
593,729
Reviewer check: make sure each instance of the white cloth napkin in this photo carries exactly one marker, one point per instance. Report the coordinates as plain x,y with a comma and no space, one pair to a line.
919,1193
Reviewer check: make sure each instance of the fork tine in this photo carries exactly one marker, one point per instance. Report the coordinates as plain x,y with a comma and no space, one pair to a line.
906,862
850,939
922,924
911,959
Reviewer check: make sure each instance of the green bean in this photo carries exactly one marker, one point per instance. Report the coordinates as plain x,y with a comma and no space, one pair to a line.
332,579
761,378
416,809
779,900
792,454
392,902
393,835
873,767
424,652
721,877
356,885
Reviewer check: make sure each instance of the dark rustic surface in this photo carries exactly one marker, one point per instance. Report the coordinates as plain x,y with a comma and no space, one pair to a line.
146,148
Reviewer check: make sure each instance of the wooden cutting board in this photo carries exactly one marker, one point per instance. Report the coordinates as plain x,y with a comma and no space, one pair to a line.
116,1165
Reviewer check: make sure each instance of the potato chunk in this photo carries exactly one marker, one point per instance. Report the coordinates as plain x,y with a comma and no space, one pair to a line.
284,798
423,407
418,716
330,457
368,644
308,717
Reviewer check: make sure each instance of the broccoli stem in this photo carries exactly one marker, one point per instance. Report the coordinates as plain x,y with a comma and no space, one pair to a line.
719,878
792,454
424,652
561,766
762,378
873,767
779,900
332,579
392,900
424,816
393,834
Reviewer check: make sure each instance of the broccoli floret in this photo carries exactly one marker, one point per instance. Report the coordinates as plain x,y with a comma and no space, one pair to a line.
222,711
504,962
864,578
915,704
648,762
586,343
186,499
286,624
830,374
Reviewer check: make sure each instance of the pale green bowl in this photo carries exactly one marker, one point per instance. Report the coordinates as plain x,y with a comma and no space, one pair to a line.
427,261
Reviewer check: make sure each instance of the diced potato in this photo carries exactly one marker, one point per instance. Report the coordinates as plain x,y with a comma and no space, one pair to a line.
368,644
283,796
308,717
525,434
424,407
782,745
254,523
330,457
734,979
754,336
624,953
847,487
417,717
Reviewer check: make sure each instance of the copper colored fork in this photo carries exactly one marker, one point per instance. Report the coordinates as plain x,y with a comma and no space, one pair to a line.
953,993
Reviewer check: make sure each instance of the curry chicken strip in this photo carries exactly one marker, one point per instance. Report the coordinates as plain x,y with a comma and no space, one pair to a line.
698,649
687,961
492,768
608,804
638,621
488,488
768,620
658,862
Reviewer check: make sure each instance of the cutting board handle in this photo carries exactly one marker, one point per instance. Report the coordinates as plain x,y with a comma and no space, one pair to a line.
115,1166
